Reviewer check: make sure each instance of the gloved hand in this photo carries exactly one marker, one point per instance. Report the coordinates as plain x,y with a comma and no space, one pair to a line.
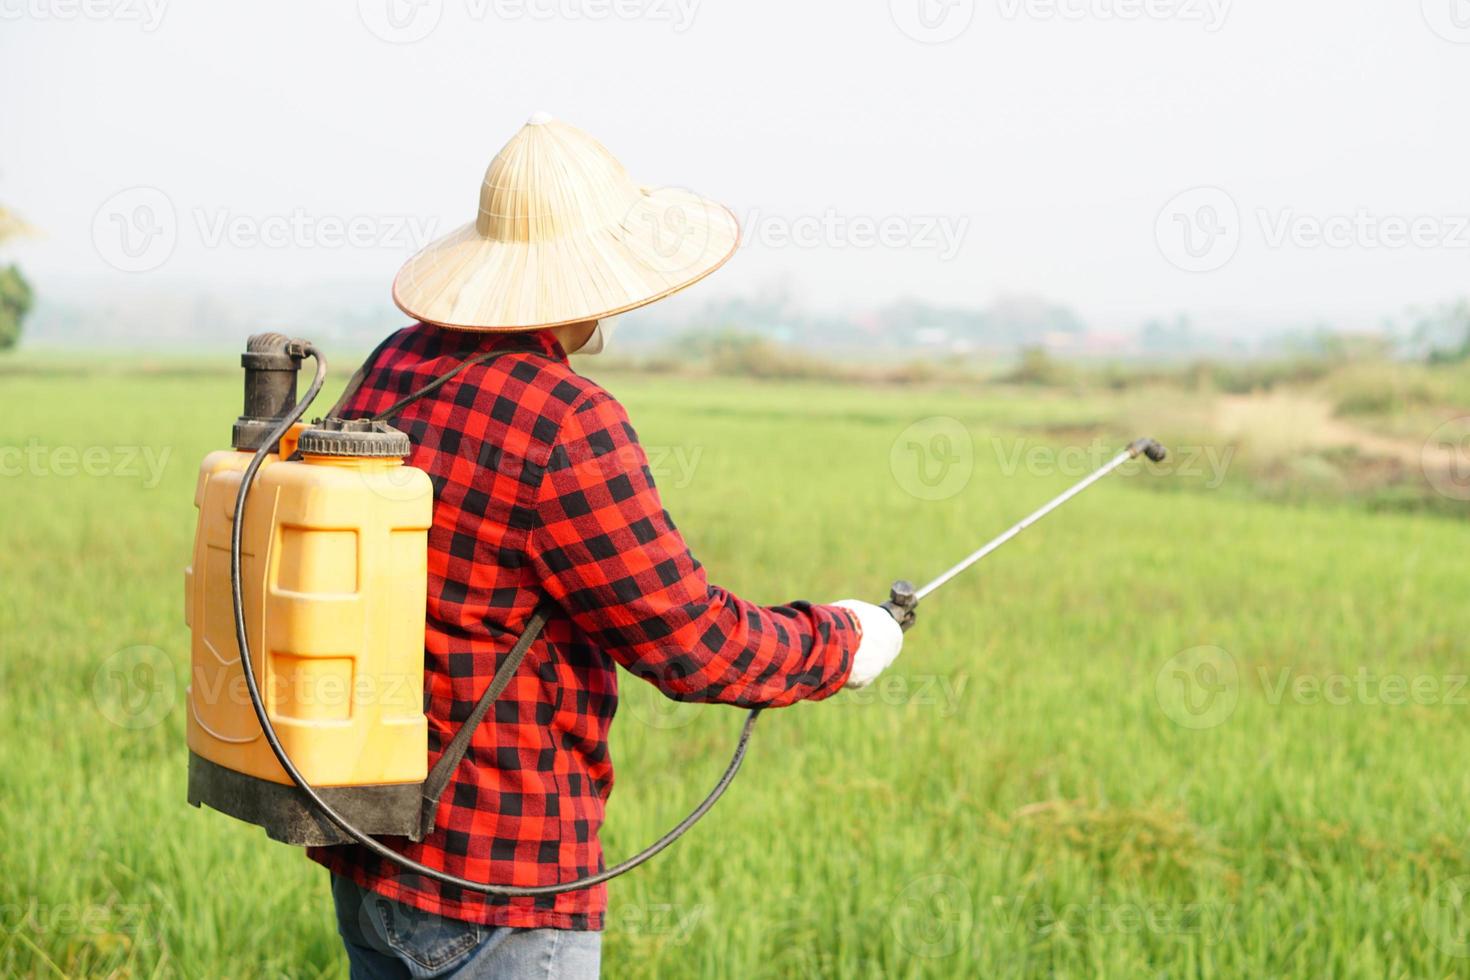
882,639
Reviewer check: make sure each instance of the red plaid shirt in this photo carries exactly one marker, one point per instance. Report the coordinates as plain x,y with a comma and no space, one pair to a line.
541,490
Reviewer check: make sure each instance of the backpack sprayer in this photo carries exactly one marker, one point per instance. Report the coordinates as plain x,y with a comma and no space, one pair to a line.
306,602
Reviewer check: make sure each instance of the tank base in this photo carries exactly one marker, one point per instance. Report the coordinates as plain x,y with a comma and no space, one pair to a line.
393,810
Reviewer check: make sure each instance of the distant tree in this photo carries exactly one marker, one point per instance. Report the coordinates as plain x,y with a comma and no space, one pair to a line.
1176,337
1037,367
15,303
1444,333
15,293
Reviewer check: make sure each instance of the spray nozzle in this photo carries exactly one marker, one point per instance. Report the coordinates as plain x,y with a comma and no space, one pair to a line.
903,603
1150,448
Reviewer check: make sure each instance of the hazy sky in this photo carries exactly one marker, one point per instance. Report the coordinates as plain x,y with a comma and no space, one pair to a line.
947,149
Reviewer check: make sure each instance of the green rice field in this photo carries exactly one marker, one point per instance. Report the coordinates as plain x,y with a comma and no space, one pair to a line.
1175,730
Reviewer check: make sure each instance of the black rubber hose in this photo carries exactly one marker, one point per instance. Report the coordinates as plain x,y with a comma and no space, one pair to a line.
372,844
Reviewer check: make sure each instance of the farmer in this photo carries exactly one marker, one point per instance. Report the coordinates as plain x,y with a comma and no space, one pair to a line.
543,492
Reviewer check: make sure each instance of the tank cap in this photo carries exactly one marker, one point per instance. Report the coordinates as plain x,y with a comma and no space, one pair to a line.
354,437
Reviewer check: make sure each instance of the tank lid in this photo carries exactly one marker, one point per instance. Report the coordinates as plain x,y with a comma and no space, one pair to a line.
354,437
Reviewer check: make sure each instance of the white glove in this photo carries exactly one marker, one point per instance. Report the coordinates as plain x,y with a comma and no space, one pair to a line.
882,639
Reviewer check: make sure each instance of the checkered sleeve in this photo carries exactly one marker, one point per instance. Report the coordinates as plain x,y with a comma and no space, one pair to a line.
608,552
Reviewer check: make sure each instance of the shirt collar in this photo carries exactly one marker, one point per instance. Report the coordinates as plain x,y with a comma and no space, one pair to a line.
475,341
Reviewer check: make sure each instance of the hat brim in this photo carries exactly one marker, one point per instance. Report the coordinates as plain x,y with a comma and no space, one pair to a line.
667,239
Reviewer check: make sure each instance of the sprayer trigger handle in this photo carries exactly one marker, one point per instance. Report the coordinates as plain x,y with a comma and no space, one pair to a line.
903,603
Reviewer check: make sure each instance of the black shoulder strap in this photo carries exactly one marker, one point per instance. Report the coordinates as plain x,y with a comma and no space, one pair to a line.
358,376
454,752
409,399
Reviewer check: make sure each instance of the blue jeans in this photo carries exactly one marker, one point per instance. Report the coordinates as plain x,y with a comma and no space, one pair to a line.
387,940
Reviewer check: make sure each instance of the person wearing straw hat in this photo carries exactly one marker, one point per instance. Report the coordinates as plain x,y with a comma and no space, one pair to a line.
544,496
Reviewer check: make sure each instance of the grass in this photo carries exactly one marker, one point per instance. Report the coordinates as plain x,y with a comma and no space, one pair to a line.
1161,734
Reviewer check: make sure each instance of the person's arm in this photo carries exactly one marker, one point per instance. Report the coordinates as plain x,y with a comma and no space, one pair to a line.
609,554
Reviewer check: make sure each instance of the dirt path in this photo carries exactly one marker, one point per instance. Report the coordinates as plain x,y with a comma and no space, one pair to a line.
1289,421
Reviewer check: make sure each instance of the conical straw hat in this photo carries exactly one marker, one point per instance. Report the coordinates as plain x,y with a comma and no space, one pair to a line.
563,235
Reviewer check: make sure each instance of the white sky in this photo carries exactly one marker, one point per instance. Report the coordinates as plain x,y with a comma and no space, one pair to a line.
1048,134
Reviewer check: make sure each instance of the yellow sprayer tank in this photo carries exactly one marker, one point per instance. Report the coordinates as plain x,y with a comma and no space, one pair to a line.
334,578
